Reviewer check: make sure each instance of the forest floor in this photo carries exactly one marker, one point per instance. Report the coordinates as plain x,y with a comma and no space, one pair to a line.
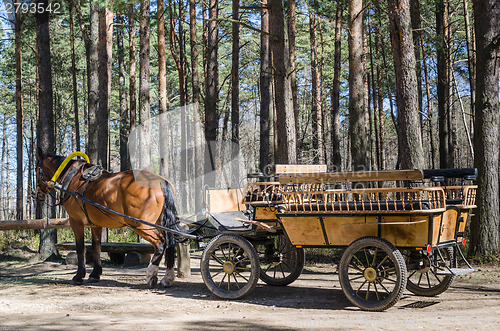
38,296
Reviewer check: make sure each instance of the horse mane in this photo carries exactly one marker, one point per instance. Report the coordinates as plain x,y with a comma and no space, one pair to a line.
60,160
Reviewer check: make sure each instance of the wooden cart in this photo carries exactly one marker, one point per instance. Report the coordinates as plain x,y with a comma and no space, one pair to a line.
395,237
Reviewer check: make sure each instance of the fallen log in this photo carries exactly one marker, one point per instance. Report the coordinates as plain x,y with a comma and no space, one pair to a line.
52,223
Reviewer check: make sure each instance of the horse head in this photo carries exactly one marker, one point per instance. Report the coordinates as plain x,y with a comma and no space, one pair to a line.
46,166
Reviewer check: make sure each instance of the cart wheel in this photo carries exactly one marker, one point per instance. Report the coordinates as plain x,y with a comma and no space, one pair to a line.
372,274
230,266
280,262
427,280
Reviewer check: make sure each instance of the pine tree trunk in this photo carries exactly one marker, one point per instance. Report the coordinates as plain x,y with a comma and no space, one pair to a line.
235,94
265,81
417,35
124,124
19,119
336,156
442,83
198,148
286,152
162,89
144,101
485,228
132,70
292,61
105,49
93,82
316,109
73,76
358,114
409,138
45,125
470,58
212,89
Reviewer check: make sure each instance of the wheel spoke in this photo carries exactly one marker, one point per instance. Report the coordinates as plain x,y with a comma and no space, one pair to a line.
381,261
286,265
224,254
375,256
355,267
368,291
435,275
282,272
376,291
229,253
361,286
361,276
354,256
237,273
236,254
213,276
228,282
380,283
428,280
414,271
237,284
420,279
217,259
391,280
224,277
366,257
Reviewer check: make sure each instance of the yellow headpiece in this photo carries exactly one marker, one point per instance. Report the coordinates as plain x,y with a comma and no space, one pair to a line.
65,162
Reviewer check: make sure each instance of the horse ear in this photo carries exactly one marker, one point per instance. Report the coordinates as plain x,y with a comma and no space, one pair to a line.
39,154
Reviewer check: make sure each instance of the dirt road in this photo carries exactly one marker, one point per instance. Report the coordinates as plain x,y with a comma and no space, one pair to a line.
39,296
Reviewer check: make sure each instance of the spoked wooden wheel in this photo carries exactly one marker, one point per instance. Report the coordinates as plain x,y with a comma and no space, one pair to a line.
280,262
372,274
430,276
230,266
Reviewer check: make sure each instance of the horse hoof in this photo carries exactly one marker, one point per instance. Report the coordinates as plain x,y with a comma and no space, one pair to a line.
77,282
93,280
152,282
166,283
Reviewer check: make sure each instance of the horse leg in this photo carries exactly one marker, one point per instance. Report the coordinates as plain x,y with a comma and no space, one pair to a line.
96,245
158,243
79,231
169,278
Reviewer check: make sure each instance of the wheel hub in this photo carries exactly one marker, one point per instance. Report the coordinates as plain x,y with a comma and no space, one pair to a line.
424,265
228,267
370,274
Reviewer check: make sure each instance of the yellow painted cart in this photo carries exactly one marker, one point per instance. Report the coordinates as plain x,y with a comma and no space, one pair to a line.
394,237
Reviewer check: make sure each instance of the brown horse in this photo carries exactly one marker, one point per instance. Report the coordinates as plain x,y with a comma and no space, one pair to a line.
140,194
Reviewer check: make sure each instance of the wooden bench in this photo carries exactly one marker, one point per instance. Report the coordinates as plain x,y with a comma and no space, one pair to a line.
127,253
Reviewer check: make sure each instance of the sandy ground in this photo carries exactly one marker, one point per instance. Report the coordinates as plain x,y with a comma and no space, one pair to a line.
39,296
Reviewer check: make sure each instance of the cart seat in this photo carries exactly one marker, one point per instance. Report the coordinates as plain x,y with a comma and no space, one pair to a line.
225,221
454,201
361,206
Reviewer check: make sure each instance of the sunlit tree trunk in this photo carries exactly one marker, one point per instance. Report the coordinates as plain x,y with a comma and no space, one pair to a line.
485,228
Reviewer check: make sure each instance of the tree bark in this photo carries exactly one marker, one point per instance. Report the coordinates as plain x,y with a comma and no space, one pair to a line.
211,90
442,83
471,62
417,35
73,76
105,50
162,88
132,68
144,74
195,80
235,93
485,228
336,156
265,81
292,62
316,110
19,118
124,124
286,152
45,124
409,137
358,114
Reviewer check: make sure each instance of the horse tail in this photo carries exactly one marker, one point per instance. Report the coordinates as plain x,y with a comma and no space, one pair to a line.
169,214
